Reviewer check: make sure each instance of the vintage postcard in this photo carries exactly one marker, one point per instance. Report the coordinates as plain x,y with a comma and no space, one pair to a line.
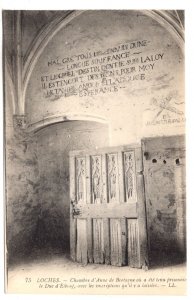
94,129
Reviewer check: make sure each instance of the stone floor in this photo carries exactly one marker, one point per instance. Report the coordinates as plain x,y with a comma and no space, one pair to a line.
56,273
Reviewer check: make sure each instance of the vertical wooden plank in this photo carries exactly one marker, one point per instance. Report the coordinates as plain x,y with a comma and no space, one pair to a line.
96,179
106,222
106,227
81,198
88,179
143,242
98,234
138,160
112,177
129,169
81,253
88,201
145,155
133,244
122,200
179,174
80,165
89,233
124,241
121,177
142,220
115,238
73,222
104,179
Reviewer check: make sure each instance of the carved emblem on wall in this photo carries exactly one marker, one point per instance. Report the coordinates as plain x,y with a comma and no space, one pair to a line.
166,109
19,121
81,186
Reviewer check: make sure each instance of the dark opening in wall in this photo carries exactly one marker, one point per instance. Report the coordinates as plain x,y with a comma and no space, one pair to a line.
154,161
146,155
54,143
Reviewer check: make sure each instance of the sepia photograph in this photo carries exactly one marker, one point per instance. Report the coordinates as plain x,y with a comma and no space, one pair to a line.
94,150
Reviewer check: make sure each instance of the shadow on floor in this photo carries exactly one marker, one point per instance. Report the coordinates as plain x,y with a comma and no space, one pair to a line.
157,259
160,259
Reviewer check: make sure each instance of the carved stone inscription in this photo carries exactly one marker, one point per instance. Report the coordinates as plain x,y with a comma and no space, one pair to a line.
99,72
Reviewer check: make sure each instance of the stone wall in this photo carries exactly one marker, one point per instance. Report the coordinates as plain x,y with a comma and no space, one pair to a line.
165,186
22,203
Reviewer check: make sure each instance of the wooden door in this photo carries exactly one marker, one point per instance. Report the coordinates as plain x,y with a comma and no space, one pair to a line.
107,215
